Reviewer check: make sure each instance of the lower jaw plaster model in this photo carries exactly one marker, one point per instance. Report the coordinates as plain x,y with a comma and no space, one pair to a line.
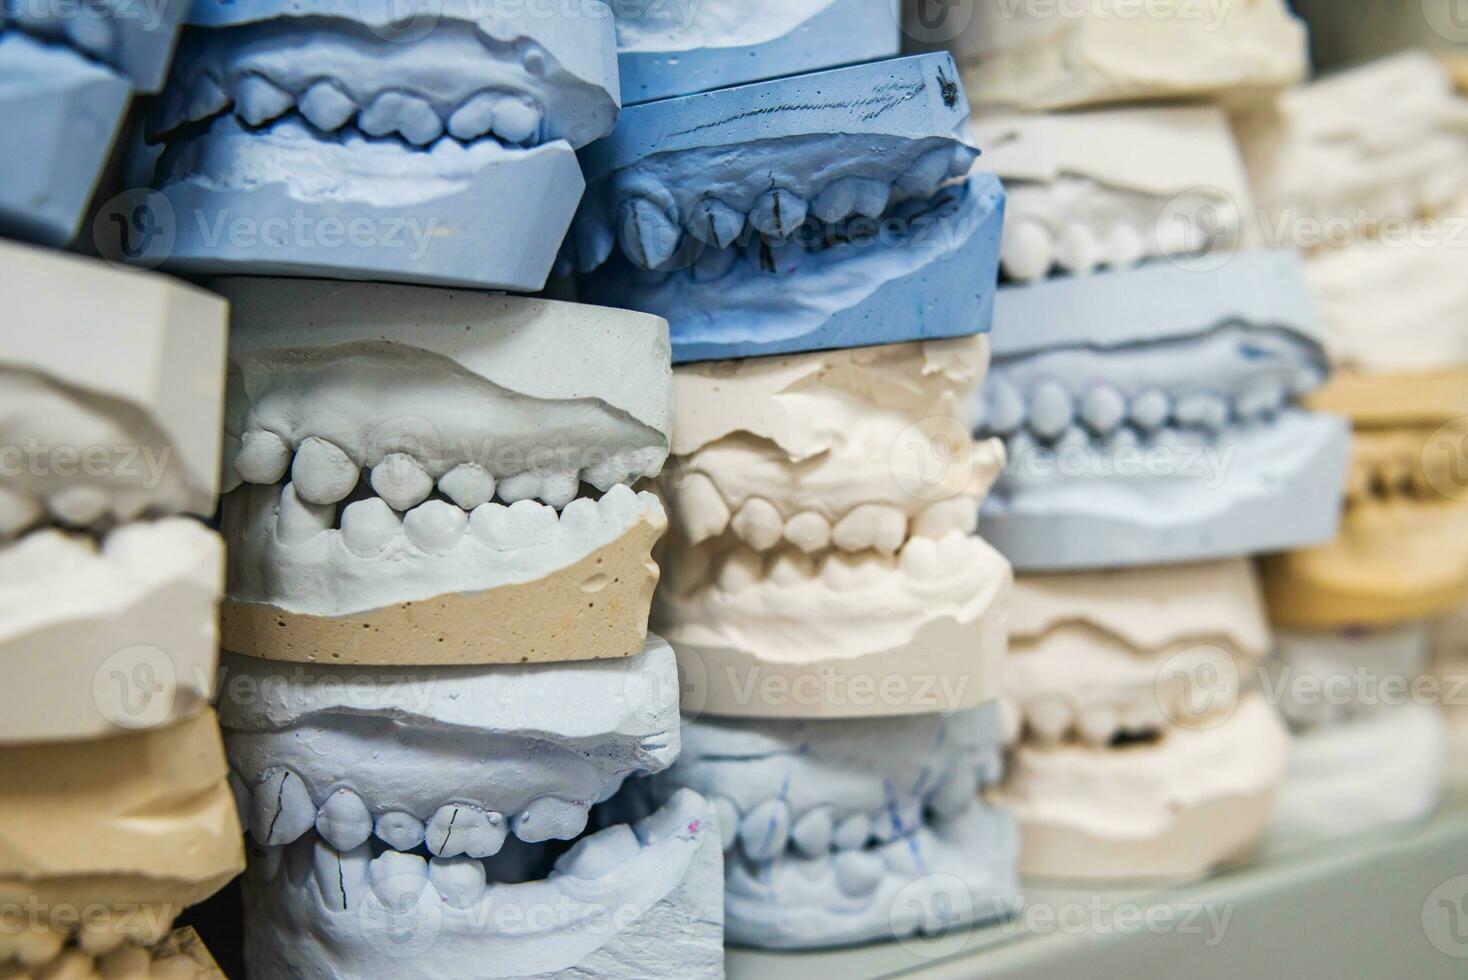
1152,416
430,476
1142,755
1366,751
181,956
665,50
329,139
815,212
108,432
839,832
823,535
418,822
1032,57
128,829
1111,188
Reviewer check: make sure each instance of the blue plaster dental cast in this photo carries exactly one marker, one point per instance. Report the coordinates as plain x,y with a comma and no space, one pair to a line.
668,49
824,211
1152,416
322,139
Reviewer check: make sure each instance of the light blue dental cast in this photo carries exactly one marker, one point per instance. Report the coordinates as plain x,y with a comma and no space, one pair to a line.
1151,416
323,139
823,211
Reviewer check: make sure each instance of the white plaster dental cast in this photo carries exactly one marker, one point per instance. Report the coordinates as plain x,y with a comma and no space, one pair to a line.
1114,187
434,476
1153,416
412,818
830,826
1366,750
1034,57
822,541
1367,173
111,393
1139,757
128,830
181,956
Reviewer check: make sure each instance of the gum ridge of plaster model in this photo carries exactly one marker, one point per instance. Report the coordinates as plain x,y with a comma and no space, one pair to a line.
825,828
1114,187
131,829
1152,416
823,211
817,536
322,139
110,433
1391,302
434,476
1363,753
1037,57
1143,756
428,818
664,50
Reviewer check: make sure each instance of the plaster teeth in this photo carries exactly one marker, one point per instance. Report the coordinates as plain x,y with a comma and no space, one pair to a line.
436,527
257,100
740,570
399,479
1261,400
1049,719
956,794
530,523
205,99
322,472
398,830
728,816
521,486
298,521
857,872
1124,247
327,107
1144,714
1078,250
1004,409
461,829
649,237
778,213
715,223
47,549
467,485
841,571
298,855
559,489
925,176
18,512
872,196
1026,251
811,834
808,531
921,561
459,881
267,859
340,877
474,118
593,856
946,516
549,818
369,526
897,819
963,159
263,457
343,820
714,264
1151,409
1307,379
1073,438
764,831
1097,724
852,832
398,112
79,505
398,879
1050,409
282,808
594,243
516,120
837,202
759,524
1103,409
580,516
1202,410
792,568
700,509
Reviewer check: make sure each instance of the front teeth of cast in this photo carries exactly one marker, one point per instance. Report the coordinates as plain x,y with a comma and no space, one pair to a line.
282,809
343,820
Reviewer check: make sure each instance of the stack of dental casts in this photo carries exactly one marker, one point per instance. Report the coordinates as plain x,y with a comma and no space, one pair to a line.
68,73
1377,209
114,805
439,572
1148,378
822,258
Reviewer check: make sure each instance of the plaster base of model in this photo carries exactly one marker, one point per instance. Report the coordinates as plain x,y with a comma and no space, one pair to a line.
1169,810
180,956
1046,57
108,639
70,110
112,381
136,827
1374,771
643,900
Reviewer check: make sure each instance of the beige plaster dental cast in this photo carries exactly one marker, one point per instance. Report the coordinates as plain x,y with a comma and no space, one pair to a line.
439,477
1113,187
822,562
180,956
1062,55
129,829
111,392
111,635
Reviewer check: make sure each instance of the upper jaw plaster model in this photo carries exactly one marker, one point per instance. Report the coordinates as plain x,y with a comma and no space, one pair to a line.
1152,416
819,537
1034,57
667,49
1361,157
368,432
414,819
807,213
108,434
833,836
360,148
131,828
1143,756
67,73
1110,188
